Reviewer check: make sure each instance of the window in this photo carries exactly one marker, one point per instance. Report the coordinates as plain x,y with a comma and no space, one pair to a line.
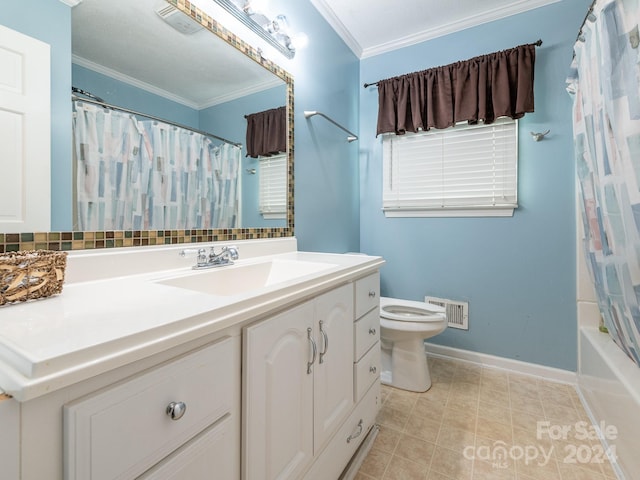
273,186
467,170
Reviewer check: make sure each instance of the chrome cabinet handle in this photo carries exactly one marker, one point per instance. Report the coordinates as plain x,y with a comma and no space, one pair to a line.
373,369
372,331
315,350
175,410
355,435
326,343
372,293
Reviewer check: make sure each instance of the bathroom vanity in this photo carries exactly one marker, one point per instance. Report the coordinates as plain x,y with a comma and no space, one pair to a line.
144,368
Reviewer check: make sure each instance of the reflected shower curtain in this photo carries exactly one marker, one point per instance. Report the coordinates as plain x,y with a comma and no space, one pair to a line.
147,175
605,85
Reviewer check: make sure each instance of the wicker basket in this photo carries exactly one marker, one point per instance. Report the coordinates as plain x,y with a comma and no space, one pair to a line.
30,275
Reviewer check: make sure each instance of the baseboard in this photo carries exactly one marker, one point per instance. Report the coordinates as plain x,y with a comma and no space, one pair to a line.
492,361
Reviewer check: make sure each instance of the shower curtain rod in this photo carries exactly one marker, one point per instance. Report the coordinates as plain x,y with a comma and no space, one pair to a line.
589,12
536,43
158,119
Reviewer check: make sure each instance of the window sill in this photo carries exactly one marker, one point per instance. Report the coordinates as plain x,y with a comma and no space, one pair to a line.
452,212
274,216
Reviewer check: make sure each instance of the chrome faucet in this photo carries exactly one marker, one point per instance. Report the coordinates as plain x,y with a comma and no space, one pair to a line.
212,259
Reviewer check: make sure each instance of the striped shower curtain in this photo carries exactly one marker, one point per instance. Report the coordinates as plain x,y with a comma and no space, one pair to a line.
604,83
147,175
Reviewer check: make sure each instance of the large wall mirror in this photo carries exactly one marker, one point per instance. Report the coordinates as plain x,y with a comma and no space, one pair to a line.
170,61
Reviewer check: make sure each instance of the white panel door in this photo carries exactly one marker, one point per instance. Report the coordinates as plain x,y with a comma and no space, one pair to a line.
333,376
278,426
25,133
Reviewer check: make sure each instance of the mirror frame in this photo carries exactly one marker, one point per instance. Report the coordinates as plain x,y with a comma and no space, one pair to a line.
10,242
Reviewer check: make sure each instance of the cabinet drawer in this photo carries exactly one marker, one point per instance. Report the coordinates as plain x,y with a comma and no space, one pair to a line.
366,333
366,371
124,430
333,460
367,294
214,450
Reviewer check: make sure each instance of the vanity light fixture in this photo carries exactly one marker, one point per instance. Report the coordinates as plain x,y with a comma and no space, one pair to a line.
274,31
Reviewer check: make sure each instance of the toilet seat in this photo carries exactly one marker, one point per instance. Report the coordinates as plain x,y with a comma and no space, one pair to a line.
410,311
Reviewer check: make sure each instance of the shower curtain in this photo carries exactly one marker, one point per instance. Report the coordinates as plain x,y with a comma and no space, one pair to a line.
148,175
604,83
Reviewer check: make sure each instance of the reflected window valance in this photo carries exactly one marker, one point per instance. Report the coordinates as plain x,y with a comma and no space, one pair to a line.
267,132
482,88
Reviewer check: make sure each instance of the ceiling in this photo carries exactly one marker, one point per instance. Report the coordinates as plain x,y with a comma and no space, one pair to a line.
129,41
371,27
120,38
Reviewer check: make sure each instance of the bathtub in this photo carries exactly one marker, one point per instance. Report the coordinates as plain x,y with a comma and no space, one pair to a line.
609,383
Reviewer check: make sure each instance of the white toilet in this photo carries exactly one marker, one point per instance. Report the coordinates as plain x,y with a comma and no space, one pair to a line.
404,325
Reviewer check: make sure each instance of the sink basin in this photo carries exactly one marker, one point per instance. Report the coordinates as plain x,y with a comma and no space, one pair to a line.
237,279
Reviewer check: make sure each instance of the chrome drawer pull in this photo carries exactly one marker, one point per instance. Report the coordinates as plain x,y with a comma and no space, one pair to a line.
175,410
353,436
326,343
372,331
315,350
372,293
373,369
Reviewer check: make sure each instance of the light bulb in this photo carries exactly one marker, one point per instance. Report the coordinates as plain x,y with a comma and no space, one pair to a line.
299,40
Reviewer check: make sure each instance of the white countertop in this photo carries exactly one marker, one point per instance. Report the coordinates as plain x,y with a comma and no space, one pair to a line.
98,325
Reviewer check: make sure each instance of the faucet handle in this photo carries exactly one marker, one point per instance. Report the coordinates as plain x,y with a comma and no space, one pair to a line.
189,252
200,254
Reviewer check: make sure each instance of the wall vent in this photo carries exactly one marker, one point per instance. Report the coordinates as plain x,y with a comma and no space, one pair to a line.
457,312
178,20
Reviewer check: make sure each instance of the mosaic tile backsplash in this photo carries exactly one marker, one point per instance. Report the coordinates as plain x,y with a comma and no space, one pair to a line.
13,242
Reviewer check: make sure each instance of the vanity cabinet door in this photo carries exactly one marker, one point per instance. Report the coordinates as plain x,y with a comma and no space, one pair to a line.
278,393
333,375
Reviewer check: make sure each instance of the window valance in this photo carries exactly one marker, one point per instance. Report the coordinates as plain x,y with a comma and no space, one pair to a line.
482,88
267,132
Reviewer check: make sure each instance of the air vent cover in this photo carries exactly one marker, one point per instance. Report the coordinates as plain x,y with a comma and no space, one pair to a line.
457,312
178,20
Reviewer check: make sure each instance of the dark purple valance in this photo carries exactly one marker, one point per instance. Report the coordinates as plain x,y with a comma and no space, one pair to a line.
267,132
482,88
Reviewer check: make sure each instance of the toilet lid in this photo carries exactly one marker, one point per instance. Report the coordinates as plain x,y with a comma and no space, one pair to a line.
410,311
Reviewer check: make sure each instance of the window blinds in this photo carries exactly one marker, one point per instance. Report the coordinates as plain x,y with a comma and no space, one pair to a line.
464,167
273,186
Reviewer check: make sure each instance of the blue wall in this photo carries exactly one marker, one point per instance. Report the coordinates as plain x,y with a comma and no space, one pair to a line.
326,166
518,274
134,98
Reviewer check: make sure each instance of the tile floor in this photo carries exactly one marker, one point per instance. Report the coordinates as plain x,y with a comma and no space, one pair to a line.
481,423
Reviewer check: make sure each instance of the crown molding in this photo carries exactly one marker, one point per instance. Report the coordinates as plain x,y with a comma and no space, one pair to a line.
338,26
171,96
71,3
516,7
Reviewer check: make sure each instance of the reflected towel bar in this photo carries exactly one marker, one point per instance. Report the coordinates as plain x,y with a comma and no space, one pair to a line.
310,113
